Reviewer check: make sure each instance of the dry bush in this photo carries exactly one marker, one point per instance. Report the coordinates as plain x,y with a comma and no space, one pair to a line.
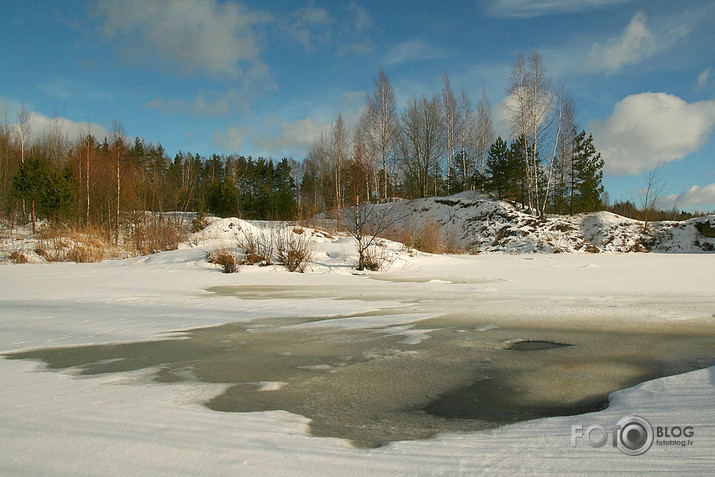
199,223
294,249
428,237
705,229
226,258
74,244
375,258
425,238
156,233
451,242
17,256
258,248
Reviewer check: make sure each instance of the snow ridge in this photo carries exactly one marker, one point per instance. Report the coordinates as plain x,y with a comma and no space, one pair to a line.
482,224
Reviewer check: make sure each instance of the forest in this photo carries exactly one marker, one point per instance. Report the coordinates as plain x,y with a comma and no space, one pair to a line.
439,144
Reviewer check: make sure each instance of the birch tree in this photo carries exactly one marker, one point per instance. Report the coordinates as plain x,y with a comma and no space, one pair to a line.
528,107
338,143
465,137
484,132
383,127
119,149
23,129
423,143
449,112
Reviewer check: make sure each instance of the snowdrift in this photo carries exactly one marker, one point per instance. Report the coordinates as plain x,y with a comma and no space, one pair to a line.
481,223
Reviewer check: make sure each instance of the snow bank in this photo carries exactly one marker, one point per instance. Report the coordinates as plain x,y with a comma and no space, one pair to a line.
59,424
483,224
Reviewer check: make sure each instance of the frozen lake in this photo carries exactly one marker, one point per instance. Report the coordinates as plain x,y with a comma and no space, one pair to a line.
152,363
372,379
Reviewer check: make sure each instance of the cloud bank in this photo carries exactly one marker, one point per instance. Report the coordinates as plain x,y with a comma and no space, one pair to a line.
696,197
191,36
647,128
536,8
640,40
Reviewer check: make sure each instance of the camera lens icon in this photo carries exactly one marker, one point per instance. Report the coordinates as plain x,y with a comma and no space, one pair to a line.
635,435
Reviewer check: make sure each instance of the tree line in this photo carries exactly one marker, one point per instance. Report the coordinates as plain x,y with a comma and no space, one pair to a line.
438,144
109,182
441,144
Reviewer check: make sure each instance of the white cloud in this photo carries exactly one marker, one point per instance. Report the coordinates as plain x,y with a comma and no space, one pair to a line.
70,88
696,197
314,28
232,138
192,36
535,8
212,103
640,40
414,50
295,137
309,27
41,125
704,79
648,128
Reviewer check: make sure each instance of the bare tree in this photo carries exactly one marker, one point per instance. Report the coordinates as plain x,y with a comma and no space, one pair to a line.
449,112
366,150
362,213
5,137
466,134
119,148
540,104
55,143
484,131
88,144
23,130
651,194
528,107
423,142
563,120
338,143
383,129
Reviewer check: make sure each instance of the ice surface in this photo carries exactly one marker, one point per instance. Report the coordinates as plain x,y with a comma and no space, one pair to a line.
153,421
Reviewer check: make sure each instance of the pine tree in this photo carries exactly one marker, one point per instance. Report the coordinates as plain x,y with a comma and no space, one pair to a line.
29,181
586,176
498,168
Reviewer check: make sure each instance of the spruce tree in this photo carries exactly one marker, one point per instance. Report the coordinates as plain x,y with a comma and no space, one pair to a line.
587,175
498,168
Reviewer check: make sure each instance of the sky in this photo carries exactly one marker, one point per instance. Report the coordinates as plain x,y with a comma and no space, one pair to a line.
262,78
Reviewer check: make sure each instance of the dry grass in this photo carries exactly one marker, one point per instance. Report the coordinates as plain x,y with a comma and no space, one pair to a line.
75,244
259,248
375,258
294,249
199,223
226,258
152,233
17,256
428,237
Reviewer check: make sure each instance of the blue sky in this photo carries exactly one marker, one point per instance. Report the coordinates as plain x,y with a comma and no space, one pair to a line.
262,77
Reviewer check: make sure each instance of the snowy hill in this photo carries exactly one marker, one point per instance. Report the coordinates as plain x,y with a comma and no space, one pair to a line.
479,223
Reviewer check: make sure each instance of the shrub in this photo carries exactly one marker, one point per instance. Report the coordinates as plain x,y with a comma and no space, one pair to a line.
18,257
258,248
66,244
152,233
294,249
225,258
705,229
374,258
199,223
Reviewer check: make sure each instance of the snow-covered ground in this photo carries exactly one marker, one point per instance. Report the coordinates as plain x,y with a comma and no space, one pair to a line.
60,423
479,223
